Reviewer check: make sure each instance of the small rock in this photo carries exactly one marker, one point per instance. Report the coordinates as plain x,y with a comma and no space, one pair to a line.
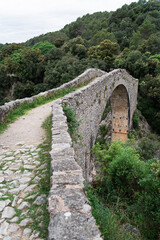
15,219
40,200
86,208
9,158
20,201
4,168
2,205
4,190
14,201
17,190
7,238
1,220
1,179
32,196
8,201
34,235
29,188
24,180
27,231
36,179
24,222
23,205
42,166
29,166
8,212
3,228
13,228
20,144
97,238
8,172
14,183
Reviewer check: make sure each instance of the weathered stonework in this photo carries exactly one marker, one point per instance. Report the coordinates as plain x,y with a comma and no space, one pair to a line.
84,77
89,103
70,213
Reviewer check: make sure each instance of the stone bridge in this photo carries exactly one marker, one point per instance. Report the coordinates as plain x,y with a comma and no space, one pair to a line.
68,206
71,163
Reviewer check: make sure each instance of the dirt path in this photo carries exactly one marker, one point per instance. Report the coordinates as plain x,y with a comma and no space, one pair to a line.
21,171
27,129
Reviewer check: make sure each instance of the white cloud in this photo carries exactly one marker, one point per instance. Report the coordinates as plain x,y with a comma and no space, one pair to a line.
21,20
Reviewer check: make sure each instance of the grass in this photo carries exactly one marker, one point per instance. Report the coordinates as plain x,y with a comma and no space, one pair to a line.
40,214
109,218
23,108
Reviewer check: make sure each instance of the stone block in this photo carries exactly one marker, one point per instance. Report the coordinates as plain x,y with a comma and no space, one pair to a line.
67,178
73,225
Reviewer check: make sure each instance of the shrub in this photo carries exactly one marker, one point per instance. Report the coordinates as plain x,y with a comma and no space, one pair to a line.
71,121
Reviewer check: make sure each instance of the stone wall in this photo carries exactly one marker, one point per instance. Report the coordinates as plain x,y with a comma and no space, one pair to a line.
84,77
70,212
89,103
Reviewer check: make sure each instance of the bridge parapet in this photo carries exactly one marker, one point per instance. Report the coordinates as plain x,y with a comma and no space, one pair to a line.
70,212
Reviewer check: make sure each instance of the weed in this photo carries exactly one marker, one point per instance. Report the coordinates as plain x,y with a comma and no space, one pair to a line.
72,122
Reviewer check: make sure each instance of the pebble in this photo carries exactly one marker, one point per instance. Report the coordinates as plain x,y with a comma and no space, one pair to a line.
24,180
24,222
29,166
3,228
27,231
40,200
13,228
8,172
1,179
8,212
15,219
2,205
16,182
7,238
14,201
23,205
9,158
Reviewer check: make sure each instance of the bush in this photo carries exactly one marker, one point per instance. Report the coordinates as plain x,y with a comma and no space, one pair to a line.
71,121
122,175
148,147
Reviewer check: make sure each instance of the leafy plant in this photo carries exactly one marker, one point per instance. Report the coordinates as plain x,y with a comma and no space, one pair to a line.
72,122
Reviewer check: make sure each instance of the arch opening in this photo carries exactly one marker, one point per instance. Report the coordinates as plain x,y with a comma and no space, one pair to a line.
119,101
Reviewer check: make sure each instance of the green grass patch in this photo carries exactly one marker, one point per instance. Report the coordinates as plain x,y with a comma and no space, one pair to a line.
39,214
109,221
23,108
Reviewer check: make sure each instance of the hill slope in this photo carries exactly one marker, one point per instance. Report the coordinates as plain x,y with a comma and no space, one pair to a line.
127,38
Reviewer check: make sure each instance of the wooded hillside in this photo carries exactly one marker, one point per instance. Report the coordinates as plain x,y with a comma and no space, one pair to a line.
127,38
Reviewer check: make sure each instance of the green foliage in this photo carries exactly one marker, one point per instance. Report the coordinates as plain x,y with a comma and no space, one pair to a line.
72,122
43,184
148,147
25,107
44,46
149,100
108,219
122,175
106,51
128,38
135,120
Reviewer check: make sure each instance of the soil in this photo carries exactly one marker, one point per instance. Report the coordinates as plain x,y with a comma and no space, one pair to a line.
27,129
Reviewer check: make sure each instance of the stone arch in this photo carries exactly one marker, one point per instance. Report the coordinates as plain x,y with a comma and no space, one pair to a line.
120,108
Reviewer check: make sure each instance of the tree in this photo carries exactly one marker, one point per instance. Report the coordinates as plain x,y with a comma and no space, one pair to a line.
44,46
106,51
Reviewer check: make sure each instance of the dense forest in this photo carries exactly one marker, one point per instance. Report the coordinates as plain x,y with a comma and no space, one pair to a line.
127,38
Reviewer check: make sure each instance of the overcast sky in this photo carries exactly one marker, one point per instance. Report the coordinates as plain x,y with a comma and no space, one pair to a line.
21,20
